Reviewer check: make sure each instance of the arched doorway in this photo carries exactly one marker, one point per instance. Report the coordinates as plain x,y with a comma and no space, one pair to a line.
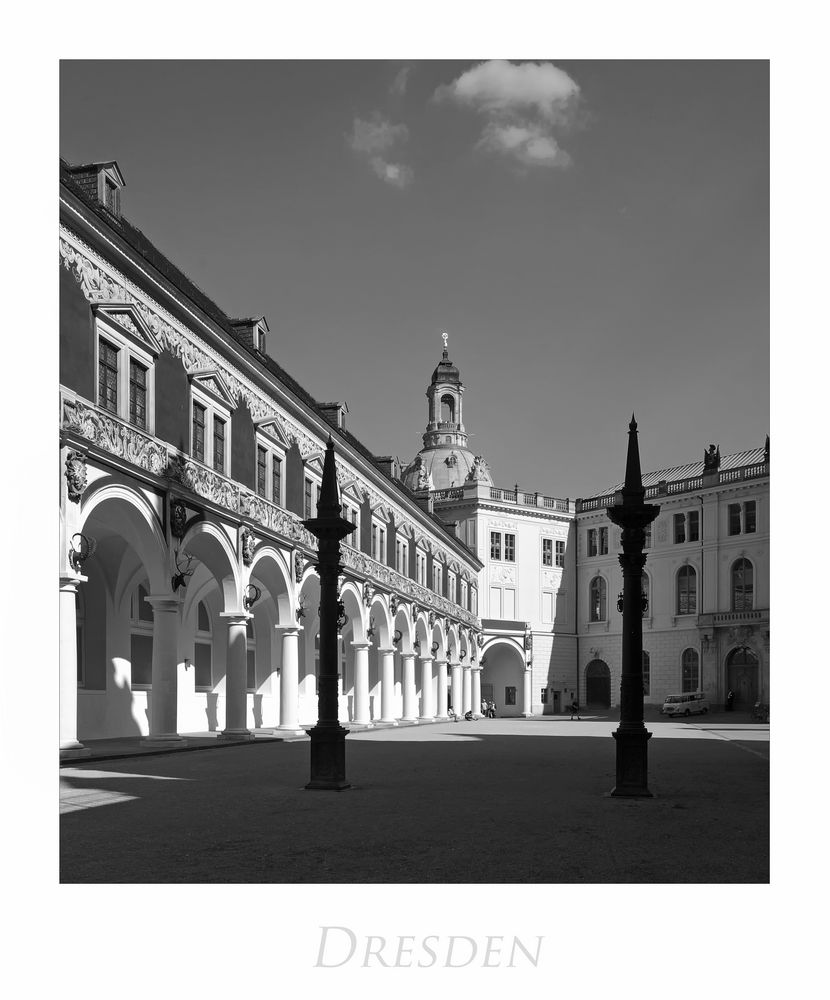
502,678
598,684
742,678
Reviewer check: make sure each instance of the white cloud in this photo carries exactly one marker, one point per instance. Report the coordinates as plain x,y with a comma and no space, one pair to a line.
375,139
522,104
398,88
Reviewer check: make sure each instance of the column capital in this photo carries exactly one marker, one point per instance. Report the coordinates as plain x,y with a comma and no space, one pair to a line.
289,629
163,602
236,617
360,644
71,582
384,651
426,659
439,660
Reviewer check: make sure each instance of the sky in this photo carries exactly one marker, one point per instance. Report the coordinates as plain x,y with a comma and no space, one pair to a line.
593,237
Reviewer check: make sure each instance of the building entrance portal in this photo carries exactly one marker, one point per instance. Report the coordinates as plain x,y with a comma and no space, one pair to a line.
598,684
742,678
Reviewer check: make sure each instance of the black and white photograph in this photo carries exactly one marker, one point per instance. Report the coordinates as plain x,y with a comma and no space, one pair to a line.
414,541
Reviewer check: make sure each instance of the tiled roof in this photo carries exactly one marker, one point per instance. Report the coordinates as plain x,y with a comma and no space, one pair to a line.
139,242
741,458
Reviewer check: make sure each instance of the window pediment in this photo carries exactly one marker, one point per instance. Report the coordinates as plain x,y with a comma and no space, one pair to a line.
128,321
271,429
212,384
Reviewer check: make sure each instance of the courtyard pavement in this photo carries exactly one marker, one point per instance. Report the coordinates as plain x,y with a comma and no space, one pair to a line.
490,801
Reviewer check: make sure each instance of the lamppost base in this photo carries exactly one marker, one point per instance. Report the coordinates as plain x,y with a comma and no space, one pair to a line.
328,759
632,763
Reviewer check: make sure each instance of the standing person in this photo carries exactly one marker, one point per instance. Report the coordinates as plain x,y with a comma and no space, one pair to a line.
729,699
491,710
575,711
484,707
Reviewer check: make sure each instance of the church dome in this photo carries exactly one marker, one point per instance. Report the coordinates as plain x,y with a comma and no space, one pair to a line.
443,467
446,371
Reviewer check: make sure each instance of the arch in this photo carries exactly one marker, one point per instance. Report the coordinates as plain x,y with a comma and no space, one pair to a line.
741,585
382,622
743,669
117,516
352,600
598,684
502,675
447,411
269,570
209,543
598,600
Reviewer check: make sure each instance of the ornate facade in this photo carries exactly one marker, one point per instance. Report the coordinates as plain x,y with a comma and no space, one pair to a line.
188,596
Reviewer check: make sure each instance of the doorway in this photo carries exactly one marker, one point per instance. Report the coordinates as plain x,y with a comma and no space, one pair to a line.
598,684
742,678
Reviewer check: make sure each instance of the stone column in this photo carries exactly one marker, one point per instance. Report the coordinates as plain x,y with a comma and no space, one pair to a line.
68,660
387,687
441,708
236,677
427,708
457,691
165,667
466,690
476,692
361,685
410,701
527,694
289,682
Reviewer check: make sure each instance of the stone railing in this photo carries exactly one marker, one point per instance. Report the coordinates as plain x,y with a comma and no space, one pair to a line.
524,499
118,438
737,617
679,486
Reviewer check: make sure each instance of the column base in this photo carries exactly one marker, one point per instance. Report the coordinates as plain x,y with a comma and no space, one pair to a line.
288,733
426,718
409,722
237,735
163,740
386,723
527,715
632,762
75,752
361,725
328,759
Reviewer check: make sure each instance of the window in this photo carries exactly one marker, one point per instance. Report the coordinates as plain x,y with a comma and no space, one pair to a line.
402,557
474,600
646,673
378,542
742,518
307,487
597,602
495,545
645,588
603,541
690,666
452,589
687,527
547,552
269,472
465,595
510,696
421,567
592,541
111,196
544,696
437,576
687,590
209,427
560,554
742,585
125,379
509,548
203,650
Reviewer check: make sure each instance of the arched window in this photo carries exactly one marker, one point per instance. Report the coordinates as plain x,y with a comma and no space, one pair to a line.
742,585
203,649
141,639
598,599
691,671
646,673
645,587
687,591
447,409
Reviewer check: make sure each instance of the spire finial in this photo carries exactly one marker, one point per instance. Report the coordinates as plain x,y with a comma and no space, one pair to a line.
633,477
445,338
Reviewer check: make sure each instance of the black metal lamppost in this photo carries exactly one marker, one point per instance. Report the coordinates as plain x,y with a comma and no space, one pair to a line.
632,515
328,737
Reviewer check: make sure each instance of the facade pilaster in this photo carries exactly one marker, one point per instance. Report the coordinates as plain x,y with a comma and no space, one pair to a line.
68,659
441,707
387,687
236,677
410,700
165,665
427,707
289,725
527,692
361,714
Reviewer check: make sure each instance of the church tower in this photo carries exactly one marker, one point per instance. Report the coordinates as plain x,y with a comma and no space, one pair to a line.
445,460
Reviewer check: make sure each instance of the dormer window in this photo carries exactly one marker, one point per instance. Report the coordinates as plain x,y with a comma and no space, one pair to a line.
112,196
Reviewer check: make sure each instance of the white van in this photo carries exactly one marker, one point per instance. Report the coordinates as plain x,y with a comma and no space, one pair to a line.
685,704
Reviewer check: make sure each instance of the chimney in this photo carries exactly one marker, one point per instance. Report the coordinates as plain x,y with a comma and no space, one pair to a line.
102,182
390,465
251,332
335,413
